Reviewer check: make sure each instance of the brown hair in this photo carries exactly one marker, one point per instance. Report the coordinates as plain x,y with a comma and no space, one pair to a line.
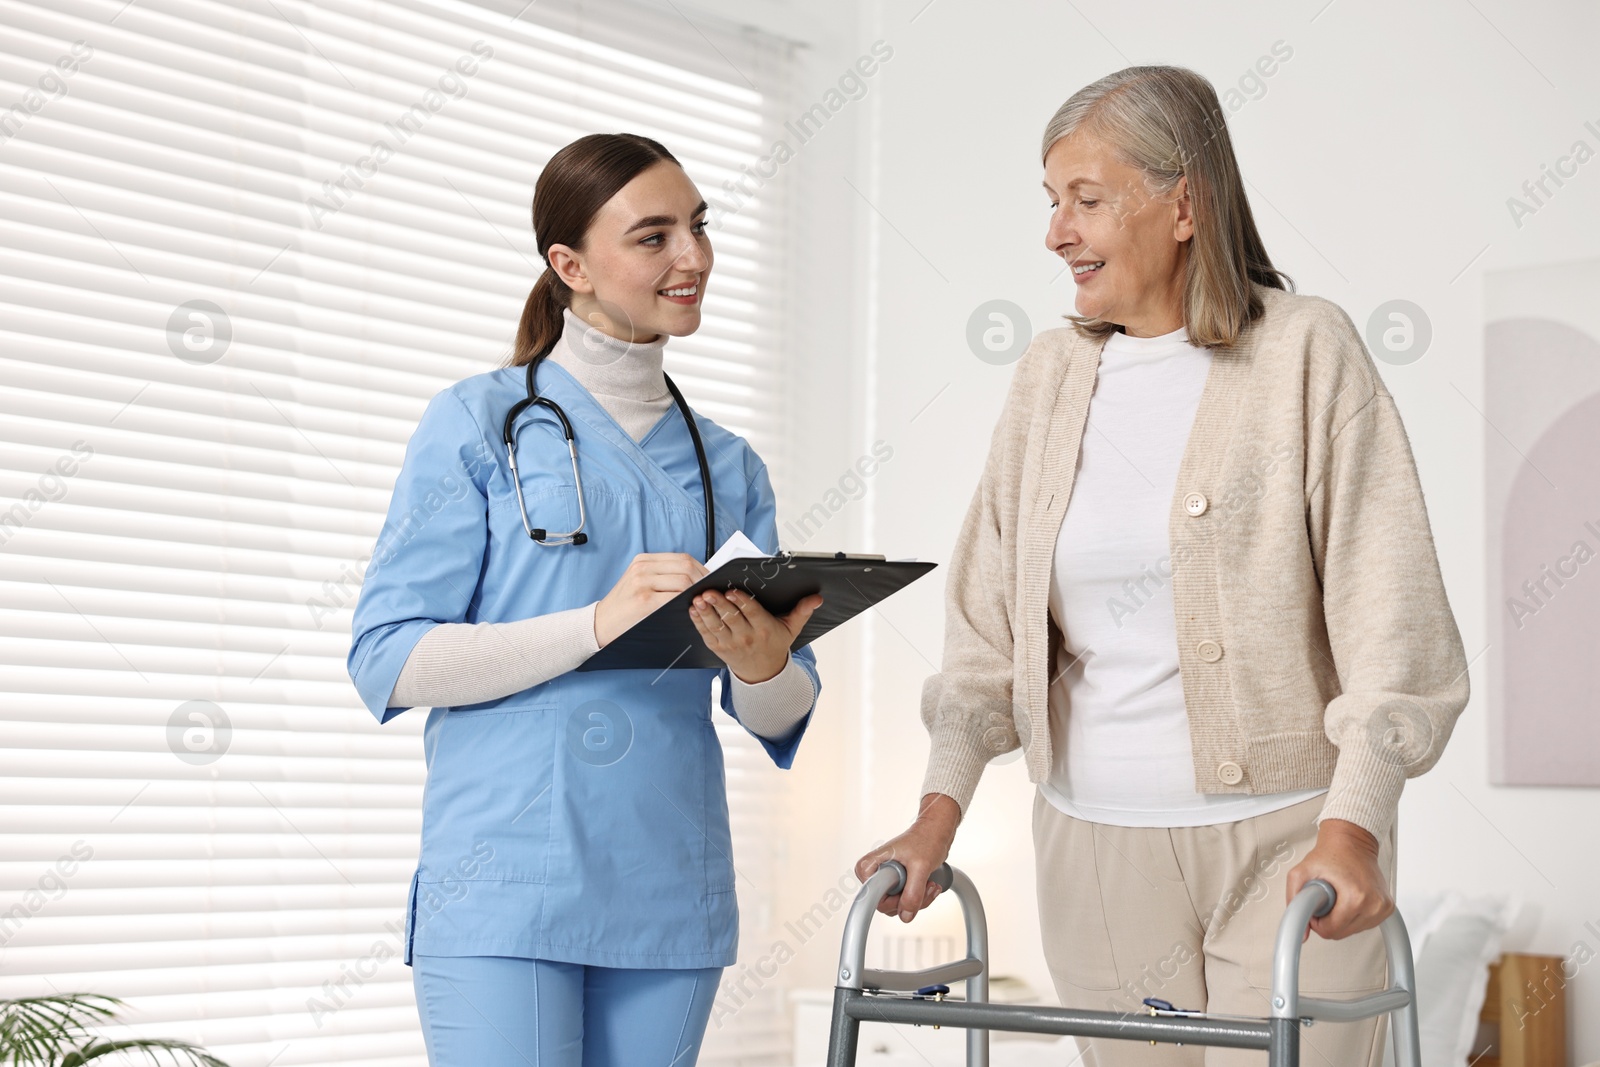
571,189
1167,123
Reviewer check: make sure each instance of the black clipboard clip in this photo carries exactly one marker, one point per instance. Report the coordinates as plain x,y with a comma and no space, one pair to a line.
782,554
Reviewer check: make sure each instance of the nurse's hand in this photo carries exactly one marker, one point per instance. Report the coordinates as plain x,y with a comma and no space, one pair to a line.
652,579
920,850
752,641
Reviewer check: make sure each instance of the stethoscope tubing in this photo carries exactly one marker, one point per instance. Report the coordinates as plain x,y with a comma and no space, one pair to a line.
576,536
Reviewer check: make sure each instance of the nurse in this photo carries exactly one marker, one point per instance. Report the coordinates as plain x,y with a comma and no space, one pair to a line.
574,899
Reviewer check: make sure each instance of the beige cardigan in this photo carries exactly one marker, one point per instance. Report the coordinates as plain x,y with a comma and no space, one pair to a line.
1315,642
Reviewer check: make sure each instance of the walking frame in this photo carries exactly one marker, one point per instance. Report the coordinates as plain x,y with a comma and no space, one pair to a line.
918,997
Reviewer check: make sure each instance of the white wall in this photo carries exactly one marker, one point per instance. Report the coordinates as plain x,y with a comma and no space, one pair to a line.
1379,158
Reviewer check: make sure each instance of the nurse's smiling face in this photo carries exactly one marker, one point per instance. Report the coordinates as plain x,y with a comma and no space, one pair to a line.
645,259
1102,210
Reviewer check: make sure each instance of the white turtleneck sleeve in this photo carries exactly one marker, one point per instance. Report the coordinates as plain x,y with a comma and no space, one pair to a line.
467,663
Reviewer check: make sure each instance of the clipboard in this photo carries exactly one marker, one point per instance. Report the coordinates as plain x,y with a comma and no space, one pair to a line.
667,638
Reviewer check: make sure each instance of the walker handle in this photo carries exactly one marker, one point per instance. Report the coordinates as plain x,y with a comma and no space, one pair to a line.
1327,887
1315,899
939,876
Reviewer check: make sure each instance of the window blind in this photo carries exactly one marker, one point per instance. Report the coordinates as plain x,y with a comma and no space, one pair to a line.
245,243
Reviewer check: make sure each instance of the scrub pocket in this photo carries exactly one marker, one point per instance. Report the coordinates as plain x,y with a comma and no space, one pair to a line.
490,795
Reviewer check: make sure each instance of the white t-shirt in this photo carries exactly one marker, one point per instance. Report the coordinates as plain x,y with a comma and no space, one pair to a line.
1119,730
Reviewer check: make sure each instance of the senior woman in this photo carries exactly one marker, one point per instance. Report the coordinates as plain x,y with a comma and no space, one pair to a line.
1206,605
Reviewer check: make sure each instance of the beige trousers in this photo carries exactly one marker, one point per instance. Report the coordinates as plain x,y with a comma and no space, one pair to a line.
1189,914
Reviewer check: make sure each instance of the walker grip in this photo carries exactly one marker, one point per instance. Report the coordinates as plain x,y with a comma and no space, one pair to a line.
1332,896
939,876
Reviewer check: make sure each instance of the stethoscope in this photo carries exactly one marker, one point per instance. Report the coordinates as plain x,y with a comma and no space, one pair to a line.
576,536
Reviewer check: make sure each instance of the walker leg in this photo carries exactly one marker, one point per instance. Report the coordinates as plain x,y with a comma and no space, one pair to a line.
1402,975
844,1032
1403,1036
1284,1050
977,990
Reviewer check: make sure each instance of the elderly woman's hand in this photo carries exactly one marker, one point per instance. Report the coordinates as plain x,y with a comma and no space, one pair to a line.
1346,857
921,850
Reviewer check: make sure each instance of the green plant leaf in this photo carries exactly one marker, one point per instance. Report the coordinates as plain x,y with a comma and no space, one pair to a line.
38,1030
177,1052
54,1031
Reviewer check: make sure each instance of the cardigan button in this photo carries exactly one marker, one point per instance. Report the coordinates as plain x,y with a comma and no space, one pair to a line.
1230,773
1195,504
1209,651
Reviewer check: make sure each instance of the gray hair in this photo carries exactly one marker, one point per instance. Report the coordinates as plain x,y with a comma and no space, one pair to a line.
1167,123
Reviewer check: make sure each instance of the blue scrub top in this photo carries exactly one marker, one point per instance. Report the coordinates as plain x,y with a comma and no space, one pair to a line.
584,819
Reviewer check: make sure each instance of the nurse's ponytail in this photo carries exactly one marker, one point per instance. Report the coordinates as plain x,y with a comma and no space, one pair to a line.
574,185
541,319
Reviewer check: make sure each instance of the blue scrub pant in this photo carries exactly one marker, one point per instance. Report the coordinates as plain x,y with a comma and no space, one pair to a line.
509,1011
